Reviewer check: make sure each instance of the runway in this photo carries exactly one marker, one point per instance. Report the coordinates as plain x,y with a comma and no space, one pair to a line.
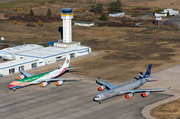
72,100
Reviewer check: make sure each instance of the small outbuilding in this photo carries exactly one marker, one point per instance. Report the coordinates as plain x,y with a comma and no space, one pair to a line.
171,12
117,14
83,23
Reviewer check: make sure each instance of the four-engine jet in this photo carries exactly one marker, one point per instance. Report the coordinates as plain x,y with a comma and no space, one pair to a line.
129,89
44,78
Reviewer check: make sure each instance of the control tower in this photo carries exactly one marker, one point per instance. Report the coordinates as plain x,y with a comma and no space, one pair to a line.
67,15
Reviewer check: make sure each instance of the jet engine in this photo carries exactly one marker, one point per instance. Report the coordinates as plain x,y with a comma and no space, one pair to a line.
129,95
101,88
43,84
59,83
21,77
145,94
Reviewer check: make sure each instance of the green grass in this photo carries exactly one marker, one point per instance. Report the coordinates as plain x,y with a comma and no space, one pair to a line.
20,3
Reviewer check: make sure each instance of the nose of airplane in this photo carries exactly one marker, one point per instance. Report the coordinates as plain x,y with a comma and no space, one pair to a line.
10,86
96,98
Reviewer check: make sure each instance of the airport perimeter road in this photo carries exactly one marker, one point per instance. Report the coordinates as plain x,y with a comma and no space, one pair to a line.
69,101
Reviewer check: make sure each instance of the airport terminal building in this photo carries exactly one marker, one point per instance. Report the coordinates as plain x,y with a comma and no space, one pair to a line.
26,58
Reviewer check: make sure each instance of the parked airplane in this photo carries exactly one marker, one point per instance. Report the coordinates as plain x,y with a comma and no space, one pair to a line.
44,78
129,89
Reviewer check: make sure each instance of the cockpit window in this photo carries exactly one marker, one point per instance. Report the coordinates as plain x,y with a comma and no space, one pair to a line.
96,96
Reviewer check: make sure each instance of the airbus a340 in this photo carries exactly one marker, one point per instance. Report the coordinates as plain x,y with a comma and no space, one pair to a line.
129,89
44,78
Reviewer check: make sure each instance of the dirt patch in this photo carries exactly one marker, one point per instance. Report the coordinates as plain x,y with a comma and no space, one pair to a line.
114,24
170,110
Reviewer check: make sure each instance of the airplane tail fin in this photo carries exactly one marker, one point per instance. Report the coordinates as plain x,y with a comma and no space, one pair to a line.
66,62
148,72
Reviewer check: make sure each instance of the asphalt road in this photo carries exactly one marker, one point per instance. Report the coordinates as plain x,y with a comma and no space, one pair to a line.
69,101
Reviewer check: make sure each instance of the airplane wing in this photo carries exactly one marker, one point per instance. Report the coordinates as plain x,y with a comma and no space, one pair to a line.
26,74
153,77
60,65
145,90
109,85
58,79
74,67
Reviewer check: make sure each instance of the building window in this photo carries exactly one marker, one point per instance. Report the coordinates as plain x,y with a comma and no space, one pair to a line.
58,57
21,67
34,65
21,57
11,71
72,55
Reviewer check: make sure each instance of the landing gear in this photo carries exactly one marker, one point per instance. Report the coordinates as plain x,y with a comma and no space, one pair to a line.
99,102
14,89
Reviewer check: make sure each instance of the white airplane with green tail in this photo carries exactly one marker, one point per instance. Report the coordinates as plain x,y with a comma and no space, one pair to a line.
44,78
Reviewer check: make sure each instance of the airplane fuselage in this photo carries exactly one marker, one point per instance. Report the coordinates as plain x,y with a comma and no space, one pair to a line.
118,90
37,78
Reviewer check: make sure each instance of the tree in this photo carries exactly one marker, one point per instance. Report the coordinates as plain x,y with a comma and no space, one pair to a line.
49,12
168,15
118,5
103,17
115,7
97,9
31,13
93,7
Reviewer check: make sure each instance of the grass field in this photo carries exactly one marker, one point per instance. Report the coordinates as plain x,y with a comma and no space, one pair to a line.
170,110
21,3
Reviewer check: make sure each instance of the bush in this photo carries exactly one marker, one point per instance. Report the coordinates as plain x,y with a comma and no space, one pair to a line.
157,10
31,25
31,13
15,22
39,22
48,12
103,17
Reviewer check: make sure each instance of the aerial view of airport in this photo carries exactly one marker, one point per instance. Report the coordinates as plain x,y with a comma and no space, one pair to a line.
88,59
